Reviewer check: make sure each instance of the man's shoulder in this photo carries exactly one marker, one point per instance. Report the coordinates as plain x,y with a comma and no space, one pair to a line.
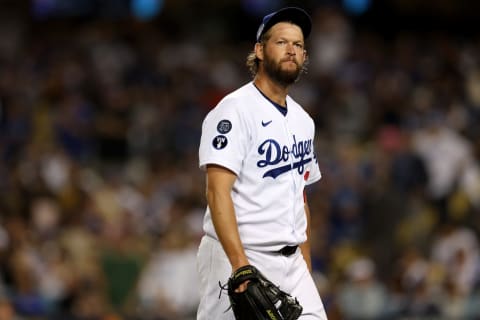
296,107
238,98
243,92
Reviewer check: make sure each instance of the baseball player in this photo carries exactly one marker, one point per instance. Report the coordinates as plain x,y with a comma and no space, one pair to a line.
257,148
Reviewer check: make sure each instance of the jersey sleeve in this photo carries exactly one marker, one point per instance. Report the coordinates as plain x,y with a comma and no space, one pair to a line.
315,173
223,139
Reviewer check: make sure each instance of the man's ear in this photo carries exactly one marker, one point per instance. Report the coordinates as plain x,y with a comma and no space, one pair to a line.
259,50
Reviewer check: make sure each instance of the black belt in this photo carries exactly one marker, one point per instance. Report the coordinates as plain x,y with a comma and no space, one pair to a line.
288,250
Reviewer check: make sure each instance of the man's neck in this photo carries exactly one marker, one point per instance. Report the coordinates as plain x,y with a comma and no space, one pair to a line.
275,92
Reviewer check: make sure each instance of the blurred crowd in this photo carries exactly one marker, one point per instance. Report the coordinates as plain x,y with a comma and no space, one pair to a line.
101,198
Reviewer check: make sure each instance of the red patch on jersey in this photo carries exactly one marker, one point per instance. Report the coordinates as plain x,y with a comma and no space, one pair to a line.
305,176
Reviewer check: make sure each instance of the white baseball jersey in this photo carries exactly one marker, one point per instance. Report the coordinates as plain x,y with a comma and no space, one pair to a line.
272,155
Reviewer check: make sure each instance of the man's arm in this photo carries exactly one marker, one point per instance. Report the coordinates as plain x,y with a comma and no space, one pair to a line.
219,185
305,247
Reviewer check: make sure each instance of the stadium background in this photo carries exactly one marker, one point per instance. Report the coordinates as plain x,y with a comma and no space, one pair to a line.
101,200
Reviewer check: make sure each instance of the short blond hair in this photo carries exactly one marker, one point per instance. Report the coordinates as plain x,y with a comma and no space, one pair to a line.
252,60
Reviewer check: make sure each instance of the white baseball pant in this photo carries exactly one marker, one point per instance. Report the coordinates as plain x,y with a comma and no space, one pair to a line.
290,273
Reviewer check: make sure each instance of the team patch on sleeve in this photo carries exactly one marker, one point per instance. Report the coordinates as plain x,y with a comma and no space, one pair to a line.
219,142
224,126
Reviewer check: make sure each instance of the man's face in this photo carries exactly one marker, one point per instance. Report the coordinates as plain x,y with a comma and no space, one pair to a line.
284,53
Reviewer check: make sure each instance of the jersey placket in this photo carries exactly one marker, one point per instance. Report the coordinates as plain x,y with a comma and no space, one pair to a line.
289,139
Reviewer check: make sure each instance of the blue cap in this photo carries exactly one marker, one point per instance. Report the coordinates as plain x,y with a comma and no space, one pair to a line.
294,15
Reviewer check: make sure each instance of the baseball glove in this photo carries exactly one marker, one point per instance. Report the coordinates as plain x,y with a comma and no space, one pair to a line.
262,300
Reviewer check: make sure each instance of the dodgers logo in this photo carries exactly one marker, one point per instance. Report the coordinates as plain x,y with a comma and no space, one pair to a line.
278,156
